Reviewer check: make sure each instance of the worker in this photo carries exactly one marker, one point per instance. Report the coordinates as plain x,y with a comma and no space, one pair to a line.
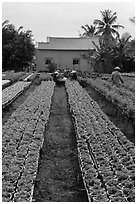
116,77
55,76
73,74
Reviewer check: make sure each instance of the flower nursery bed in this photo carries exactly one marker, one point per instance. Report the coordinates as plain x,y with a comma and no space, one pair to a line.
19,76
114,113
122,97
5,83
8,110
22,139
106,156
10,93
12,76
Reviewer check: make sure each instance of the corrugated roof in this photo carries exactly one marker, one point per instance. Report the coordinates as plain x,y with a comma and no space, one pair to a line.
68,43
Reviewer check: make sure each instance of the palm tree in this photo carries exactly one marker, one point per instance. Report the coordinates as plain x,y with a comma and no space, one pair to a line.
103,54
122,49
91,58
106,26
89,30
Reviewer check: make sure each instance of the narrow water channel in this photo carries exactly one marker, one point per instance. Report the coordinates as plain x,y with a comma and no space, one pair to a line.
59,177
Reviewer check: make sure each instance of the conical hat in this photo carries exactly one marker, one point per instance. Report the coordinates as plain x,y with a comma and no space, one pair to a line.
73,71
117,68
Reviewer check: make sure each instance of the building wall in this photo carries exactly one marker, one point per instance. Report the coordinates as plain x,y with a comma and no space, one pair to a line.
63,59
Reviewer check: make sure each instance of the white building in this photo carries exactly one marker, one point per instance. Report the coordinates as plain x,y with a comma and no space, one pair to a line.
65,52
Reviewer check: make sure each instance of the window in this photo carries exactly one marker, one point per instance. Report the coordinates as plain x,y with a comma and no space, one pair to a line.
48,61
75,61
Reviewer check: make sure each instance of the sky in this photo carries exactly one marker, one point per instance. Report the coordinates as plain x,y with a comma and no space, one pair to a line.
64,18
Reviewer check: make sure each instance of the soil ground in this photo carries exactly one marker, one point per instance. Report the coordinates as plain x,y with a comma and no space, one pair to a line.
115,115
59,176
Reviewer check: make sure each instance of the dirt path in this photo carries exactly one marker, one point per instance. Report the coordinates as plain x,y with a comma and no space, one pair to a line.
59,177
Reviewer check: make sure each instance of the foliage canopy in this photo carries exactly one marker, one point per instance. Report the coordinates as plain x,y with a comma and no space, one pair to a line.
17,47
112,49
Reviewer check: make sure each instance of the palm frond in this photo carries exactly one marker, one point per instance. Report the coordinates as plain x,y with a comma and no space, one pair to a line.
96,21
112,19
99,31
106,15
95,45
83,27
117,26
89,30
115,32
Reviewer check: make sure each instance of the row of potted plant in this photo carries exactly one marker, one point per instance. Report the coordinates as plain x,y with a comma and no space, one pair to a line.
92,183
120,96
104,146
117,138
107,126
10,93
22,140
12,76
102,161
5,83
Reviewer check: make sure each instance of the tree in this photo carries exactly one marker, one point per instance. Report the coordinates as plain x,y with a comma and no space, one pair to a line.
123,53
102,55
113,50
89,30
23,50
8,34
17,47
119,50
107,28
91,59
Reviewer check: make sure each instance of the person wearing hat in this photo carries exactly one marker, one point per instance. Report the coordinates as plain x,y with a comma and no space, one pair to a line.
116,77
73,74
55,76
